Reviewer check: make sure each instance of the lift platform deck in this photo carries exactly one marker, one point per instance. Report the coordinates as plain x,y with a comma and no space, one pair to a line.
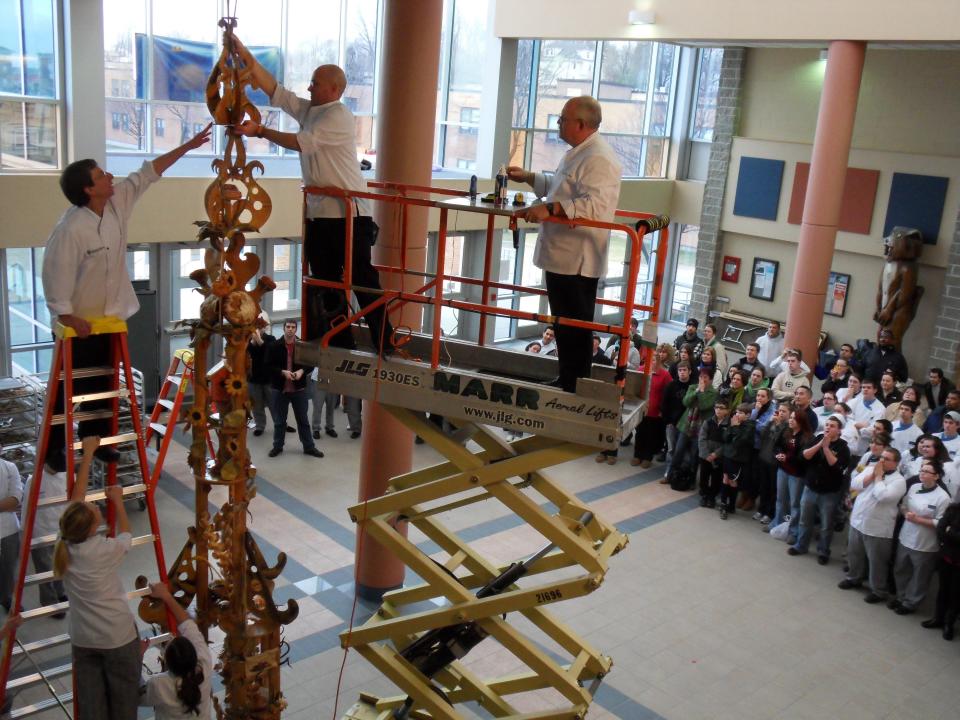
489,386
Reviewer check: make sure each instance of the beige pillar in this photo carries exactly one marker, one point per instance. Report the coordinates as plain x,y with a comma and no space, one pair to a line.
405,130
821,209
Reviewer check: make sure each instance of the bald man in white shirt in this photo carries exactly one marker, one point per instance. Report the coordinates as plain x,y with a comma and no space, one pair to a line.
586,184
326,142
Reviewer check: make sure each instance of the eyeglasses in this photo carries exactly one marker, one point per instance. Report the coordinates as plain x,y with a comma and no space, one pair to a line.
927,471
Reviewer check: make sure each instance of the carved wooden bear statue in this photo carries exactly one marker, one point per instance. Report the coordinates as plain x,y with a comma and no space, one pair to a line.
899,295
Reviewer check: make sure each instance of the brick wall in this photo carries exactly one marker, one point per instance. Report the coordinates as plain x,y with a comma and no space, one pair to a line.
708,245
945,340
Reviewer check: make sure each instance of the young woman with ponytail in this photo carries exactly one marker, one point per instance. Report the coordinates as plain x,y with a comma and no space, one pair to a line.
103,633
183,691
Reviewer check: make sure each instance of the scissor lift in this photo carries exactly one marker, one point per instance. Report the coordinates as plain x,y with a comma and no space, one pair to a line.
421,635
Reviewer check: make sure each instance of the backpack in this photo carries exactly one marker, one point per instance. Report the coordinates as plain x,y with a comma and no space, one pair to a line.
682,479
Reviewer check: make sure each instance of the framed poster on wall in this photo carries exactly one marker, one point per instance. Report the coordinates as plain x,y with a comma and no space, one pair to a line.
763,282
838,288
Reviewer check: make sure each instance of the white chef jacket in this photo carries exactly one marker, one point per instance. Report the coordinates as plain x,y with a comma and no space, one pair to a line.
875,509
927,504
100,615
328,151
859,412
10,486
952,445
903,439
161,690
587,185
85,261
47,520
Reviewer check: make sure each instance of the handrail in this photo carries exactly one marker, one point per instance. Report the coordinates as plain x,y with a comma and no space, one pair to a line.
399,195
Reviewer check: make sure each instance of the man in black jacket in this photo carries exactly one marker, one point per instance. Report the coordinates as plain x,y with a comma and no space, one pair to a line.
672,409
884,357
936,389
826,461
690,337
289,381
258,382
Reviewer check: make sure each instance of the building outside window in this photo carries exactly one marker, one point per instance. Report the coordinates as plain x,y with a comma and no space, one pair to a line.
704,111
28,319
30,104
682,286
634,81
159,125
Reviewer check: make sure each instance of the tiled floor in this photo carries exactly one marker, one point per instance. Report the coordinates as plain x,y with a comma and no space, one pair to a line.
704,618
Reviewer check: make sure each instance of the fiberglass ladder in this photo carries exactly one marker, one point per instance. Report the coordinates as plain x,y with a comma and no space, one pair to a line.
61,368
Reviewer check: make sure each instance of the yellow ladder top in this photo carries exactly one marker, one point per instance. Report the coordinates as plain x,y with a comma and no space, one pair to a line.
98,326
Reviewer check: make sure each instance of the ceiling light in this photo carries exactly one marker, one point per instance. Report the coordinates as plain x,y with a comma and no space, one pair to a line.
642,17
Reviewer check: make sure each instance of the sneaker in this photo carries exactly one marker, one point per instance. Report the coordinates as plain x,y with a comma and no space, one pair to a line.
275,451
765,520
765,528
331,432
313,452
757,515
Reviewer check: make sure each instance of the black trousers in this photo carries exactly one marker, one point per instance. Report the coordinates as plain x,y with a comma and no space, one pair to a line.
91,351
711,478
765,481
948,595
324,249
649,437
572,297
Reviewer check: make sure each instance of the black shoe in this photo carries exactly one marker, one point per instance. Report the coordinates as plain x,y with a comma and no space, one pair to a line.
723,513
703,501
291,428
893,603
332,433
932,624
901,609
419,440
314,452
711,503
948,632
354,435
872,598
275,451
793,551
258,432
823,559
848,584
316,434
107,454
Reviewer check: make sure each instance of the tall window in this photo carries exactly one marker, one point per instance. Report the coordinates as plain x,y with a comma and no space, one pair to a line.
686,264
27,314
634,82
29,88
459,83
158,55
704,111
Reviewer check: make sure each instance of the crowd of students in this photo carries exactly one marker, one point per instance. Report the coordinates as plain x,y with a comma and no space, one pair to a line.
870,452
